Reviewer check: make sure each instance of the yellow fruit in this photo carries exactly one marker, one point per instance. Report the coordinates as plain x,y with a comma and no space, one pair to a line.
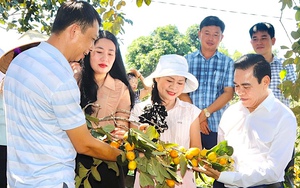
170,183
203,152
115,144
189,155
176,160
192,152
160,148
129,147
130,155
173,153
223,161
212,156
132,165
194,162
123,3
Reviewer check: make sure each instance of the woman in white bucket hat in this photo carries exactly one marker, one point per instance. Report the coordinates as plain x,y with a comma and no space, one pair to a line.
169,80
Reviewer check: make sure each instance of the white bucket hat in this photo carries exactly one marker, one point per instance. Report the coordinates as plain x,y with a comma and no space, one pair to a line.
173,65
28,40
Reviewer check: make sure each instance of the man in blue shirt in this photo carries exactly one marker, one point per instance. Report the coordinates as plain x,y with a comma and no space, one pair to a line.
262,39
214,72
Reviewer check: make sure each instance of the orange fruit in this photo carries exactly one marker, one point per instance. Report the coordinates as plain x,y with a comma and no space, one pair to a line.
176,160
223,161
129,147
130,155
132,165
115,144
170,183
173,153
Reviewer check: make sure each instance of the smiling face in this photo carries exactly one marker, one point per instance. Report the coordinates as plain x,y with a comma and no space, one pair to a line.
103,56
250,92
170,87
262,43
210,37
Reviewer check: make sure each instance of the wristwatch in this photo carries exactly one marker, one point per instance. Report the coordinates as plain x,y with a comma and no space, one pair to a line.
206,112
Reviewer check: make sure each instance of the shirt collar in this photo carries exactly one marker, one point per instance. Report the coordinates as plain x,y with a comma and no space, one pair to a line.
217,53
109,82
276,60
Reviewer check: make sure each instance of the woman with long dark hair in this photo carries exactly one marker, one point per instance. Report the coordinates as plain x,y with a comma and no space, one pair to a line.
103,83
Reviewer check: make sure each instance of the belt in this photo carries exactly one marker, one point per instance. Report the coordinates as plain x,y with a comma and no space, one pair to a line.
274,185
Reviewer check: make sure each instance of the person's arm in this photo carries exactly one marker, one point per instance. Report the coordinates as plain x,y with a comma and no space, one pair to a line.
146,90
85,143
185,97
195,137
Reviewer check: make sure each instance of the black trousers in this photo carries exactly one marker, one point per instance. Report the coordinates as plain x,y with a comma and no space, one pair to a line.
3,160
209,141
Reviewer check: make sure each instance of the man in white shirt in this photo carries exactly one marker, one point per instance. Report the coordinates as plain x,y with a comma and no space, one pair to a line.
260,128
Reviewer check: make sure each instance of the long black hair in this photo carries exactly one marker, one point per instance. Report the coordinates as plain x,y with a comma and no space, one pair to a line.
88,86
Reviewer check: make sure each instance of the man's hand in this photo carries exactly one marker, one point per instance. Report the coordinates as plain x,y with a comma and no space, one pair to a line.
209,171
204,127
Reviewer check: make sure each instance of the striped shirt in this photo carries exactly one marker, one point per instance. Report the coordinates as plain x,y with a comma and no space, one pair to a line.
41,102
213,74
276,67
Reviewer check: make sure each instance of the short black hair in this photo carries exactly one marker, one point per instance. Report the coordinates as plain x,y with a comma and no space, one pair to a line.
71,12
261,67
212,21
262,26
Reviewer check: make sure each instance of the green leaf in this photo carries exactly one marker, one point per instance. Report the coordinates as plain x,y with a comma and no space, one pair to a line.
218,167
183,165
108,128
77,181
282,74
147,2
146,179
95,173
297,15
139,3
82,171
86,183
113,166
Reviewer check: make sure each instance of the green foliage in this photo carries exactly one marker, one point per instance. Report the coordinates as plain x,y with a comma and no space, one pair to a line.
293,89
24,15
144,52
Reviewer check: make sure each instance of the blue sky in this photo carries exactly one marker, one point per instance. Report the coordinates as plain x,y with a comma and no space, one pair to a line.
238,16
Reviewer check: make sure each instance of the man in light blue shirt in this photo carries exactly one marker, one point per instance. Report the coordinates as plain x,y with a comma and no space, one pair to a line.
45,123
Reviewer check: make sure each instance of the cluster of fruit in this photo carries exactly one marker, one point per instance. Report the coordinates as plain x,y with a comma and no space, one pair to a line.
158,162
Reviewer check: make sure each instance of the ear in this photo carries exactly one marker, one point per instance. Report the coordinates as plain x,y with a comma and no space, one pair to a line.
74,30
199,34
222,36
273,40
266,81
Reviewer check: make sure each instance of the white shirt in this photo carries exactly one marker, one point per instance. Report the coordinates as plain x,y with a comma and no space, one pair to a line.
263,142
179,120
